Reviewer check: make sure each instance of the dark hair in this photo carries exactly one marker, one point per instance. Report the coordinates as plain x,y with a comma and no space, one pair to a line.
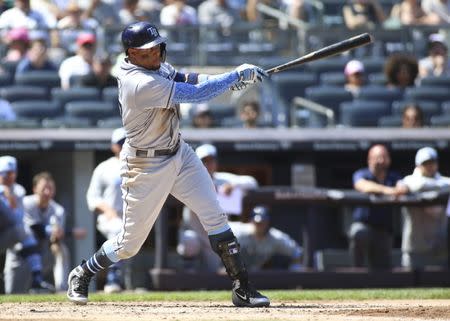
395,62
42,175
416,108
253,103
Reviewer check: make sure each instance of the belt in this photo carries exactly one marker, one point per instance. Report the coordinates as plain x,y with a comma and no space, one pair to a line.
153,152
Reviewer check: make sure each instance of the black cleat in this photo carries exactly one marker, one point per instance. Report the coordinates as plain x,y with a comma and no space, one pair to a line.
42,288
247,296
78,283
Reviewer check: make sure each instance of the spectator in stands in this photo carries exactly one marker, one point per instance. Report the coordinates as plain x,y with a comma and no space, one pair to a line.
130,12
249,113
217,13
412,116
193,243
18,42
363,14
202,116
437,63
100,76
261,243
253,15
438,9
401,70
73,24
36,57
410,13
178,13
105,13
22,15
354,77
301,10
80,64
6,111
424,237
371,231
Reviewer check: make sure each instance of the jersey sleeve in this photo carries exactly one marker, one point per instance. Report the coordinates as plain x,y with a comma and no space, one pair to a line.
155,92
284,244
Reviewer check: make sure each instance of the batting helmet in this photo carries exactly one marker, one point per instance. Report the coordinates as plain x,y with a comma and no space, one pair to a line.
143,35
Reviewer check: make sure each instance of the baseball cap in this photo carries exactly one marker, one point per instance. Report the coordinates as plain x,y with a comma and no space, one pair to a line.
18,34
8,164
260,214
85,38
206,150
436,37
118,136
425,154
353,66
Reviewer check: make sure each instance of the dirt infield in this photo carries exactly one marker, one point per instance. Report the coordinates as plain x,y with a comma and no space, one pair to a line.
203,311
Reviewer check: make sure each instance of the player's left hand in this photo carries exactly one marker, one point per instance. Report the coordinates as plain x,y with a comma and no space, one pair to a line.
249,74
238,86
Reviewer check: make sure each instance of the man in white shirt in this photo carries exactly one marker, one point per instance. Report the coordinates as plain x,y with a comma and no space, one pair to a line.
21,15
81,63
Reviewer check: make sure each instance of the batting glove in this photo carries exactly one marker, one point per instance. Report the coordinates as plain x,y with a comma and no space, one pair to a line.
238,86
249,74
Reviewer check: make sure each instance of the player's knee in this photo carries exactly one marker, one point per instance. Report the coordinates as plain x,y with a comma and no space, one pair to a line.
189,244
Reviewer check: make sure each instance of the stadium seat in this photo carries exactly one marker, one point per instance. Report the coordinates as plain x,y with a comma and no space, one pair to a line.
91,109
429,108
112,122
327,65
446,107
362,113
390,121
440,81
380,93
438,94
377,78
64,96
20,123
19,92
373,65
291,84
47,79
66,122
6,79
332,78
36,109
440,121
110,94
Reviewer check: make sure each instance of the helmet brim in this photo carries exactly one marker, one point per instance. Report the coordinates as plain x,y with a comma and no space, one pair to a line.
152,44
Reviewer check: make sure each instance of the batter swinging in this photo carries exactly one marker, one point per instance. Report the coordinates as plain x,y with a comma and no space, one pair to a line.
157,162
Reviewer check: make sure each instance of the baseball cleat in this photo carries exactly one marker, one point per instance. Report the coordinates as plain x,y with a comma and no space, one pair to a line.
78,283
247,296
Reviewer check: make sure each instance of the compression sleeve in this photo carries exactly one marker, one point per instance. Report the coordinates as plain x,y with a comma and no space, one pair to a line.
204,91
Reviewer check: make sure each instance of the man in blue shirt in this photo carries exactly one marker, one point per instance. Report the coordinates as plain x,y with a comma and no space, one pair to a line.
371,231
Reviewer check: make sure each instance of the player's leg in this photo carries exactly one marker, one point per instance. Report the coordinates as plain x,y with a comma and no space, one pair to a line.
146,185
195,189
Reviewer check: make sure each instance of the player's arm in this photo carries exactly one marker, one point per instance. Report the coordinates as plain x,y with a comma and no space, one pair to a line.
216,85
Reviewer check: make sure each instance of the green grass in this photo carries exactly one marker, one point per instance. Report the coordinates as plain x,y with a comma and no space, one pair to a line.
275,295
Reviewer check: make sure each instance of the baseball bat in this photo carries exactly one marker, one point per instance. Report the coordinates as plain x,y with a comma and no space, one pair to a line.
331,50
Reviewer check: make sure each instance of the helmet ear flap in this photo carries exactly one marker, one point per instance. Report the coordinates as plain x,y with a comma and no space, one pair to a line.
162,51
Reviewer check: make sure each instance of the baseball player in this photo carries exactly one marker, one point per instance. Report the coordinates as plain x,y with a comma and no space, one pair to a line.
14,235
156,162
104,197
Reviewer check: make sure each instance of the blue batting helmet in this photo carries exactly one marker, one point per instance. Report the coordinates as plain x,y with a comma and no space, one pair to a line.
141,35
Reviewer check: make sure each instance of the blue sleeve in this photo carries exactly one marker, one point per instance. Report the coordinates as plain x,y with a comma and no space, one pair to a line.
204,91
358,175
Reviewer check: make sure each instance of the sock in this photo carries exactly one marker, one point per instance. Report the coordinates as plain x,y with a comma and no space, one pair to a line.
97,262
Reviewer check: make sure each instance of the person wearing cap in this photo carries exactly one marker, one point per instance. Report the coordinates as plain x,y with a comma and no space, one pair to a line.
262,243
354,77
37,56
16,238
81,63
436,63
202,116
424,237
104,198
370,234
18,42
46,219
194,243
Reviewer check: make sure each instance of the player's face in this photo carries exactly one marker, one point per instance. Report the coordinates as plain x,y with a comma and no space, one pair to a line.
45,189
9,178
429,168
146,58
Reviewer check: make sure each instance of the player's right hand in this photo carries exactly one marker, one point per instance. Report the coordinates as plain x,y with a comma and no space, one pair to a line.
250,74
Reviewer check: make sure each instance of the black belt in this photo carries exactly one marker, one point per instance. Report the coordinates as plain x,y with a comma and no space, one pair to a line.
156,152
